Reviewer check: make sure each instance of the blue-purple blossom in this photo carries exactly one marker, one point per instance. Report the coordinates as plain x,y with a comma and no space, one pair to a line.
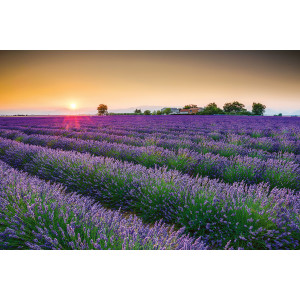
231,181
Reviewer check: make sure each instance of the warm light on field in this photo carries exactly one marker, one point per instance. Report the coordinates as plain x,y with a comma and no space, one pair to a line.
73,106
251,202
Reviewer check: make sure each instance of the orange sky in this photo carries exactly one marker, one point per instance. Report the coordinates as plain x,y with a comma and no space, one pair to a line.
50,81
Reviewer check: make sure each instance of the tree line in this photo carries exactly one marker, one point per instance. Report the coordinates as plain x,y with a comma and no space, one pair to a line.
230,108
233,108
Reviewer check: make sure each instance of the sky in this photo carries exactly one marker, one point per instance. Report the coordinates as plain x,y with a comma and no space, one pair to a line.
66,82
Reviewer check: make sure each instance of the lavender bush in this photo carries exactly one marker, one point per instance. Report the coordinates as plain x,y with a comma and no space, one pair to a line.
37,215
251,217
234,169
150,166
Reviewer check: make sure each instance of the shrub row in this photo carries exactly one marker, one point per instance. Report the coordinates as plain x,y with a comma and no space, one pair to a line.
237,215
278,173
35,214
230,145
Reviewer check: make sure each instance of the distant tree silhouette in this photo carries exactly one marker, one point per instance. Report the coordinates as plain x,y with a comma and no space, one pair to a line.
190,106
102,109
234,107
138,111
258,109
211,109
147,112
166,111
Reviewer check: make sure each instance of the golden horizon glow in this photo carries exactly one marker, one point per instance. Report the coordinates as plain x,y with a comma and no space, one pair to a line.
73,106
48,81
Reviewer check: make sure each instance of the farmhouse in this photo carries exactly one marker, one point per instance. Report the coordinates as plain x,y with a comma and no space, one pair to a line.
190,111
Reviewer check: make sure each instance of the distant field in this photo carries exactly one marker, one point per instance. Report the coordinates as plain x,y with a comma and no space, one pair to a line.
150,182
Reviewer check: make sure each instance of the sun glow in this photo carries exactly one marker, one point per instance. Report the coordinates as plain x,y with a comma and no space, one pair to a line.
73,106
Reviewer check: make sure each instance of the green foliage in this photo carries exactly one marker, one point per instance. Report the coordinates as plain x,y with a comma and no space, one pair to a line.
234,107
158,112
258,109
282,175
19,139
166,111
138,112
211,109
190,106
239,172
147,112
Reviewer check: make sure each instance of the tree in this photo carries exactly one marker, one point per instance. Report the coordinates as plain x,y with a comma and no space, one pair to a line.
190,106
166,111
138,111
234,107
154,112
158,112
147,112
102,109
258,109
211,109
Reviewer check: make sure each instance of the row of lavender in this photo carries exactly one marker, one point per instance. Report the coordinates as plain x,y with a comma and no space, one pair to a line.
240,216
283,142
170,139
37,215
141,132
216,132
278,173
200,144
253,126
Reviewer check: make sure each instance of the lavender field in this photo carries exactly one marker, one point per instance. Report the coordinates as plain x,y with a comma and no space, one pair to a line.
150,182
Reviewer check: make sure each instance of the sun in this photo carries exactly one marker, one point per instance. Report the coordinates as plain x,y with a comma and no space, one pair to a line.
73,106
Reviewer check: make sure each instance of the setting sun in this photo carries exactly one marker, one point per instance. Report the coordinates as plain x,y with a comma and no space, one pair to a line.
73,105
